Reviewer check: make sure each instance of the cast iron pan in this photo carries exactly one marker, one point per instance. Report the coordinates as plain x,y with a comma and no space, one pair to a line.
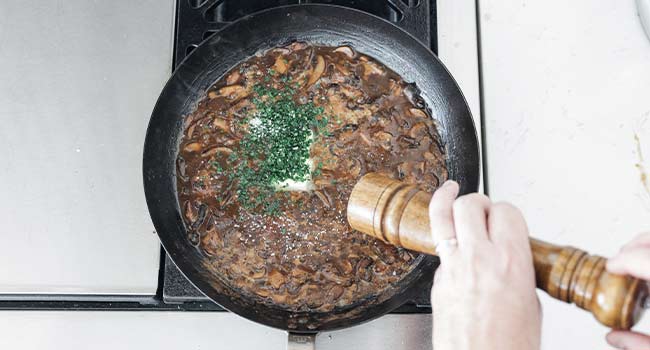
318,24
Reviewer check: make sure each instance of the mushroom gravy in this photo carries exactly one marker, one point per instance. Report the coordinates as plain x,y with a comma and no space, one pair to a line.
305,257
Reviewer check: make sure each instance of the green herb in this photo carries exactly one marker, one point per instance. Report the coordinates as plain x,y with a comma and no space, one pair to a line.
276,147
217,167
318,170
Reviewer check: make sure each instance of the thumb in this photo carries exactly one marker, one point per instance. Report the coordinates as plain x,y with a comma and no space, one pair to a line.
628,340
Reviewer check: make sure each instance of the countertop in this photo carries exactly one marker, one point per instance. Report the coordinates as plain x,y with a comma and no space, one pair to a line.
566,87
78,83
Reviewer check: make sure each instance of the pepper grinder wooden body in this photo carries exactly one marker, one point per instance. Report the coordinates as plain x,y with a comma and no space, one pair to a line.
397,213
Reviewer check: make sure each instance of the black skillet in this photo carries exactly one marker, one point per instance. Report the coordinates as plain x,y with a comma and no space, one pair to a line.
320,24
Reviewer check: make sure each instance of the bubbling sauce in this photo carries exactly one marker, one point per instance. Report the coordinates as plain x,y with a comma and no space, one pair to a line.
306,257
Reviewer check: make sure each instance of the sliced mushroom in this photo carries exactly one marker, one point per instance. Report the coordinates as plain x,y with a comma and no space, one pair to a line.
193,147
346,50
380,267
233,78
418,170
228,197
216,150
190,119
262,292
318,70
281,51
335,150
190,130
213,94
280,66
200,217
279,298
276,279
370,68
406,255
301,271
321,182
296,46
309,293
365,138
194,238
383,139
363,264
419,130
364,269
395,88
340,78
335,292
407,141
355,168
209,249
191,213
404,170
418,113
346,136
323,198
181,165
257,273
232,92
412,94
330,276
343,266
222,124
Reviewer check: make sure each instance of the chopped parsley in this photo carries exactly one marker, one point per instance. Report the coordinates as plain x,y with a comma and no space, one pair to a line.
276,147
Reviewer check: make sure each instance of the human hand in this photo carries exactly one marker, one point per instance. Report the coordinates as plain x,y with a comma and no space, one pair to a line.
633,259
483,295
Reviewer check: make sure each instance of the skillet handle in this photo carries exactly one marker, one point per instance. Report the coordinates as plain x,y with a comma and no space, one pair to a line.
398,214
301,341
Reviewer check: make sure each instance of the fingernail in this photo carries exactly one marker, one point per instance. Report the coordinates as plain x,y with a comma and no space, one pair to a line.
615,341
448,183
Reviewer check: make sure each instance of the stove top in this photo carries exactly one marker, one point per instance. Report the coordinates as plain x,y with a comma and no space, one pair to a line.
197,20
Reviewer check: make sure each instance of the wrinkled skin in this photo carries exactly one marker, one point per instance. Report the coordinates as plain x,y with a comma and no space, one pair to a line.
484,290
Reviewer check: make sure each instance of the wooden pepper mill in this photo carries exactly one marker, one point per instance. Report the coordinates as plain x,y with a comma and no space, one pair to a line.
397,213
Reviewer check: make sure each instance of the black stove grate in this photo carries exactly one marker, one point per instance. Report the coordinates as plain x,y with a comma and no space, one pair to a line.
196,20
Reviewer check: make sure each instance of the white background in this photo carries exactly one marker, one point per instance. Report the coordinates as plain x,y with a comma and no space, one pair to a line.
566,87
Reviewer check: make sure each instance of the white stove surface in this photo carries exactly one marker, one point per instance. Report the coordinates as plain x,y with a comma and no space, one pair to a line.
80,79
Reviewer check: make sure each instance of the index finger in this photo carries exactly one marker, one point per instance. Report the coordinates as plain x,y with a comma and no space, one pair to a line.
633,261
441,217
642,239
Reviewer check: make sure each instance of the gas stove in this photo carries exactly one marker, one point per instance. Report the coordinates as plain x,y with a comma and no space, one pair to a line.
448,28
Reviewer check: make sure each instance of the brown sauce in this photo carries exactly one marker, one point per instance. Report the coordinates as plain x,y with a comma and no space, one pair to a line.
307,258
